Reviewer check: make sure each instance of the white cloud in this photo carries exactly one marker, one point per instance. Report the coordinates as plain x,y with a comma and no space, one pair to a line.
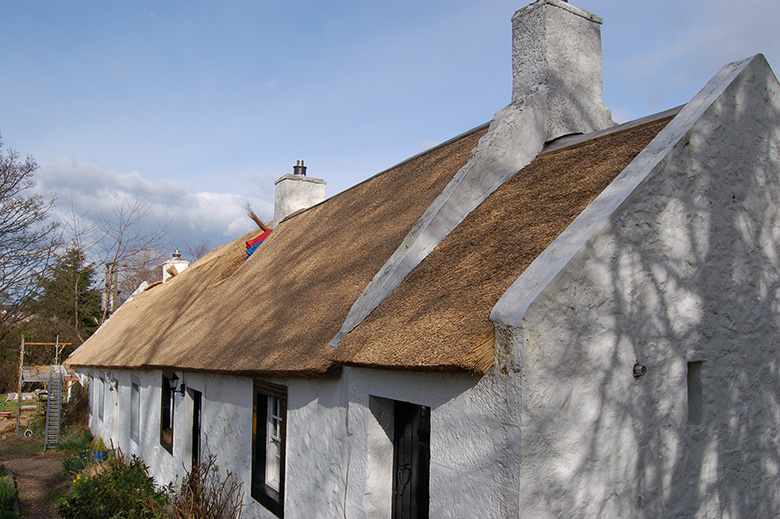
93,192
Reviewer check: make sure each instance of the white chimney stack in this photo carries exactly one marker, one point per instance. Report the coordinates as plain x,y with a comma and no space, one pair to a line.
295,192
557,46
173,266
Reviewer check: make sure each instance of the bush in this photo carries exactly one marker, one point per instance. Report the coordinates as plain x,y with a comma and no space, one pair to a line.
76,463
8,496
75,440
76,412
115,488
204,494
118,486
9,374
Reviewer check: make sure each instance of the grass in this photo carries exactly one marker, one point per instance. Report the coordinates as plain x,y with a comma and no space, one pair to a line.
5,405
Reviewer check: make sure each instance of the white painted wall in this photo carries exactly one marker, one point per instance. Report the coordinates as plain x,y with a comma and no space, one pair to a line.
686,268
473,438
315,442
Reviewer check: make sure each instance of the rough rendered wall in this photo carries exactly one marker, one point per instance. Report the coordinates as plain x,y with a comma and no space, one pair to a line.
473,440
315,435
686,269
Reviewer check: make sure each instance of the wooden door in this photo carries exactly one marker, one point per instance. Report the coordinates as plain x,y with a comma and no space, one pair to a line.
411,461
197,403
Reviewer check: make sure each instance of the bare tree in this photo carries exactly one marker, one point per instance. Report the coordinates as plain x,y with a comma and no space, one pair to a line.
27,238
128,245
198,249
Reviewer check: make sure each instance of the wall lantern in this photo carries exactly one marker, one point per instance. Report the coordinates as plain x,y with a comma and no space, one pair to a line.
111,381
173,382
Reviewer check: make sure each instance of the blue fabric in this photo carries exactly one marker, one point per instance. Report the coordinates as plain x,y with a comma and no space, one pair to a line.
253,248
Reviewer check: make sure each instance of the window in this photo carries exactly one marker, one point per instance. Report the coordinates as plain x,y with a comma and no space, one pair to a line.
101,398
695,393
135,411
166,413
269,431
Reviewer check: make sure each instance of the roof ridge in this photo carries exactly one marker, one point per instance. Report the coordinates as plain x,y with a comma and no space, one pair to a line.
574,140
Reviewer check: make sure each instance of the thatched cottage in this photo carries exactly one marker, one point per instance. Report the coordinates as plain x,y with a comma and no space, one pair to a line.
547,316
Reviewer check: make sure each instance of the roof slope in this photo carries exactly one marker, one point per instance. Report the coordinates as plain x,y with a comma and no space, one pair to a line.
275,312
438,317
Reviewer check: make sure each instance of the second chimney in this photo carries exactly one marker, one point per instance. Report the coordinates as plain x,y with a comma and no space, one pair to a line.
296,191
557,46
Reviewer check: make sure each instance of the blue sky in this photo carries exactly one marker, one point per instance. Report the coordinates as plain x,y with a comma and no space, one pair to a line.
197,106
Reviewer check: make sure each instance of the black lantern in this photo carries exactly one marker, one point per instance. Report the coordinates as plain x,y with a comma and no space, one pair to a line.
173,383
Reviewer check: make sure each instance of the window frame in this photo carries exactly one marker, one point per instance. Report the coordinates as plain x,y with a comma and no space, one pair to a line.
135,410
101,398
264,393
167,412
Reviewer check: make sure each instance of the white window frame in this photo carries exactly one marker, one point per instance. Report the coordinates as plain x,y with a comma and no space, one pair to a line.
273,443
101,398
269,431
135,410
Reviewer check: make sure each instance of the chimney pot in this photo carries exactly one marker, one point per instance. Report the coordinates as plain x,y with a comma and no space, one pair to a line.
299,168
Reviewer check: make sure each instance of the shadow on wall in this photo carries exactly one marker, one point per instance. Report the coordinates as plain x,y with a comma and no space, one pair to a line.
689,273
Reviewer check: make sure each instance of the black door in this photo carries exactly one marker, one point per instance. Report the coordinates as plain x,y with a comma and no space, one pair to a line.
411,461
197,399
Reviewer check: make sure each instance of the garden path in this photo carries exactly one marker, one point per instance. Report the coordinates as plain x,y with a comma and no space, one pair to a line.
39,476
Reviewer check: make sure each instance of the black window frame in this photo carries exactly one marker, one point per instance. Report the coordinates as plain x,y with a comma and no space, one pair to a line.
167,408
267,496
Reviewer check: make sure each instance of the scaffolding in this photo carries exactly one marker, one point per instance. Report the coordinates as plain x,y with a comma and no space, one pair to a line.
56,379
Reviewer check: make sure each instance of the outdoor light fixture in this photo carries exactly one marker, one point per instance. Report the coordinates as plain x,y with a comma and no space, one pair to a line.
173,382
111,381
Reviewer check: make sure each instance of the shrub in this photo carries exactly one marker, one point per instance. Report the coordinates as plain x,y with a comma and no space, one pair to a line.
76,412
8,496
76,463
117,488
75,440
124,487
204,494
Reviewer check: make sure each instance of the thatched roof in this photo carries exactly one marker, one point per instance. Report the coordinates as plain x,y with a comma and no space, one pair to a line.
438,317
275,312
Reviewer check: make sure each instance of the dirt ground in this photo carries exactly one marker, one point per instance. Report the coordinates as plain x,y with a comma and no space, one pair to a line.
39,476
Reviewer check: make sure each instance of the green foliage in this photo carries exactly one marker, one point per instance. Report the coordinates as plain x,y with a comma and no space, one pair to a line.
68,304
115,488
75,440
118,487
8,496
98,445
76,463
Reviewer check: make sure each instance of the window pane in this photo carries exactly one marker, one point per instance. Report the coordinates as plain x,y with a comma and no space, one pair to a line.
135,411
273,455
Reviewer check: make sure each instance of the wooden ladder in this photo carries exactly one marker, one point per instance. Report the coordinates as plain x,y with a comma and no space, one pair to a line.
53,407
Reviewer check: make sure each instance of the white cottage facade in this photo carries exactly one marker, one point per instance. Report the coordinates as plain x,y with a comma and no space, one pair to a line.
624,366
